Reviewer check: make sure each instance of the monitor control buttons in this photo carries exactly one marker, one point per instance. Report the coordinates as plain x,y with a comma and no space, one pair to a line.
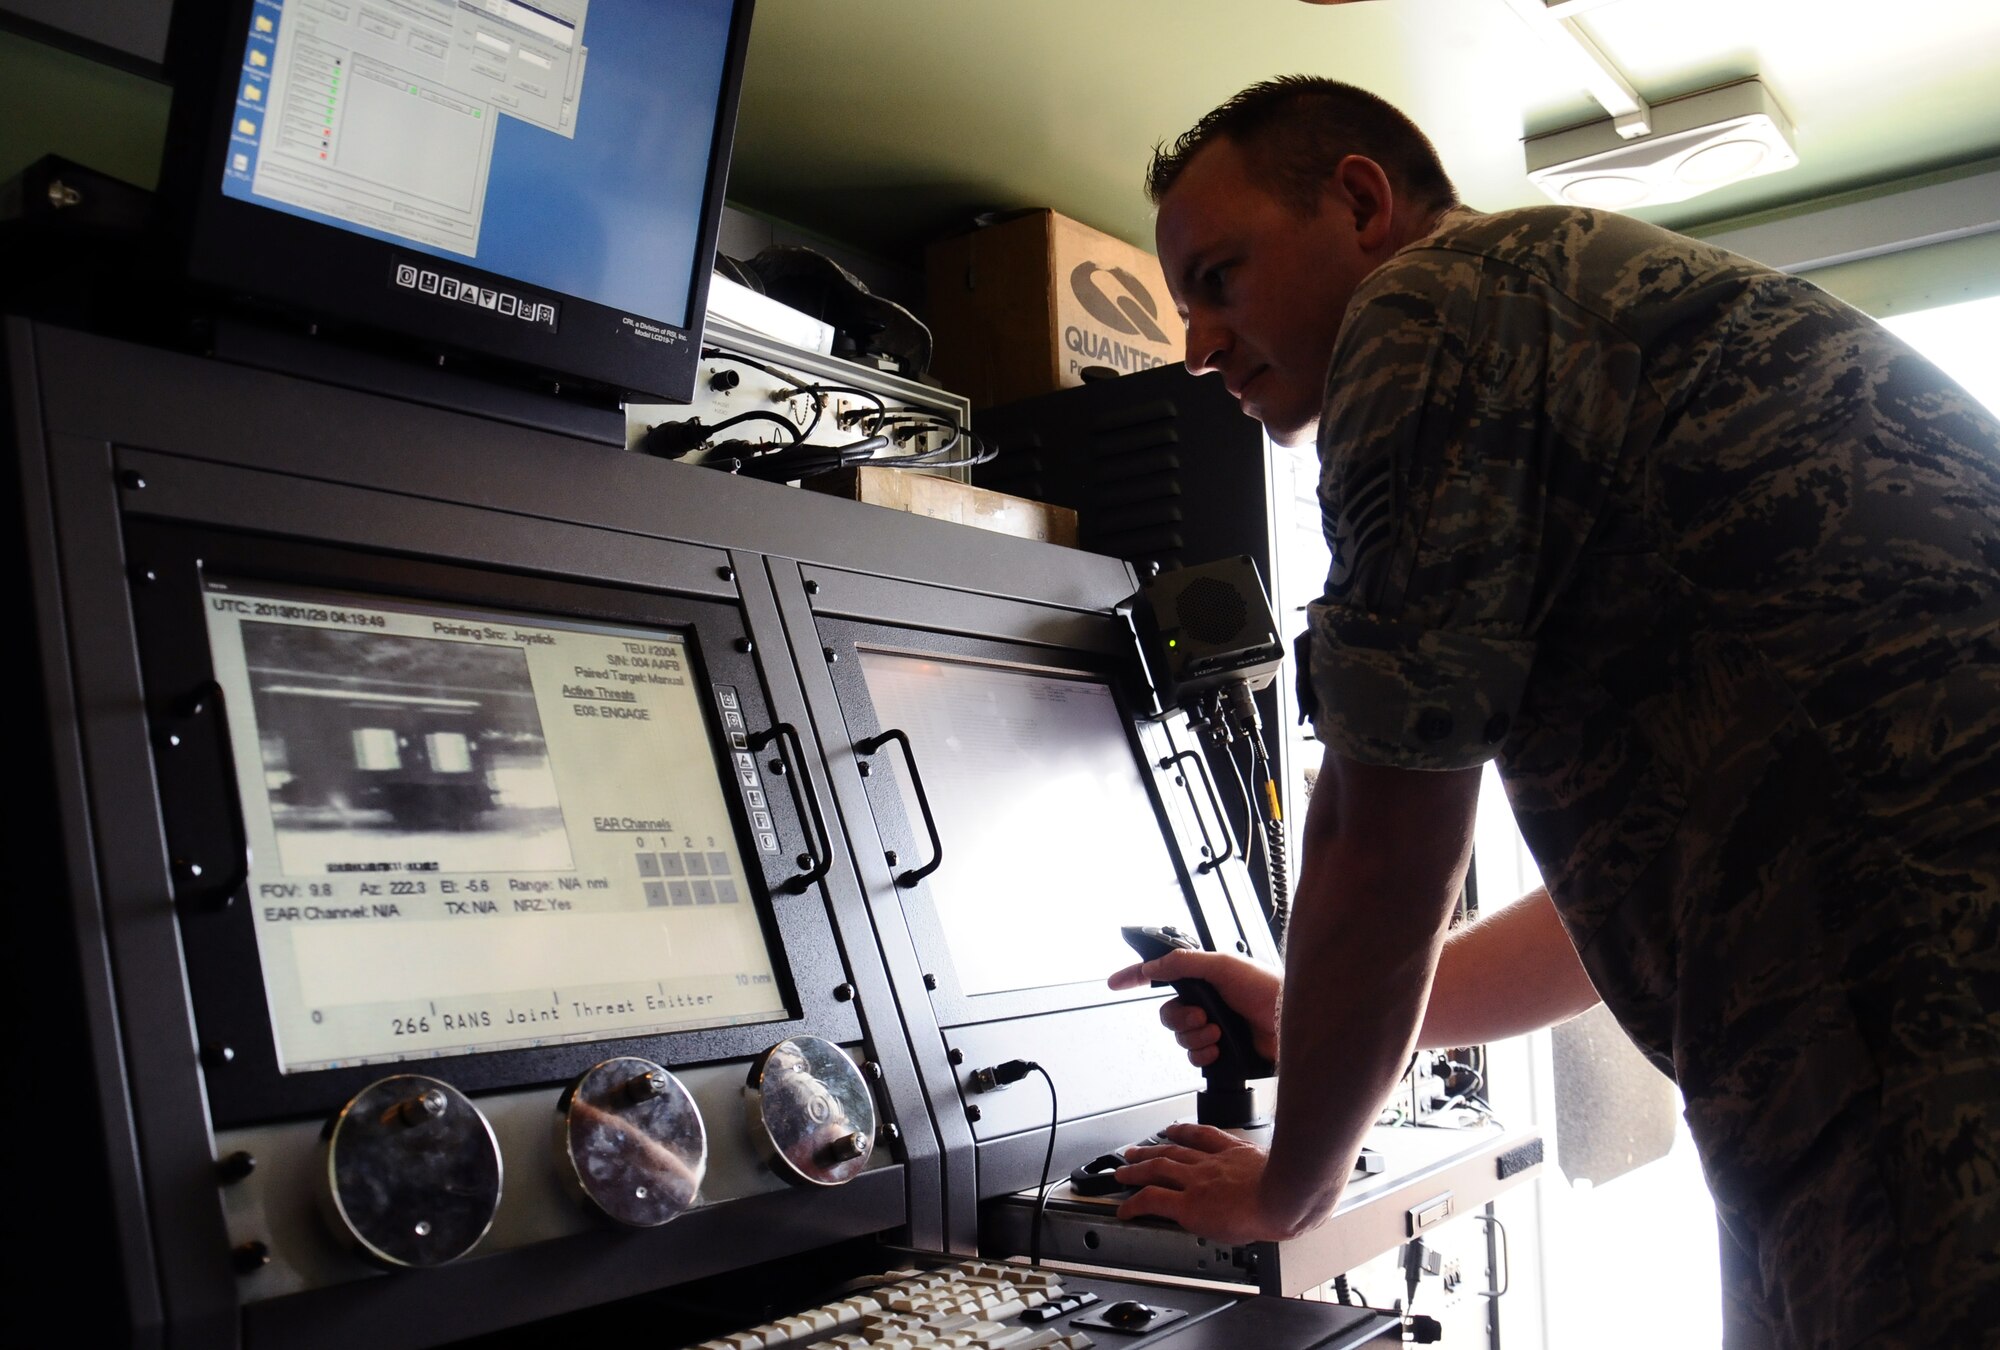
630,1140
412,1172
810,1112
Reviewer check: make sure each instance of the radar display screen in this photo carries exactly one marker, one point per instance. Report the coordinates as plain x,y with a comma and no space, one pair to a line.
1050,838
476,831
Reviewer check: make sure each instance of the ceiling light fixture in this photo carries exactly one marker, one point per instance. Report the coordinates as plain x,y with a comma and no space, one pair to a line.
1698,143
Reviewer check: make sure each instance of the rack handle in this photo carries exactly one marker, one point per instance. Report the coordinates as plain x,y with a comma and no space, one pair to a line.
207,701
1214,859
868,747
820,849
1506,1258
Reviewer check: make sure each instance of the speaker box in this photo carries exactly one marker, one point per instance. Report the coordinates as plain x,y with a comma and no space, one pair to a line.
1208,624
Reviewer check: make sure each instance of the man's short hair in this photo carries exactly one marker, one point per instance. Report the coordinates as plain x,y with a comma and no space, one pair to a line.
1296,129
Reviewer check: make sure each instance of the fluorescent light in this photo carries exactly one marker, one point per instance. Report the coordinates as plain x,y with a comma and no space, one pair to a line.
1611,192
1698,143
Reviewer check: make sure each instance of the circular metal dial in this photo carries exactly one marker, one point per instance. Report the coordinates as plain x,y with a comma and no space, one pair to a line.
810,1111
412,1171
631,1139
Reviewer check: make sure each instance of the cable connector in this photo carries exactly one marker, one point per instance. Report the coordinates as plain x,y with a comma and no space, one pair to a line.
996,1076
670,440
1425,1330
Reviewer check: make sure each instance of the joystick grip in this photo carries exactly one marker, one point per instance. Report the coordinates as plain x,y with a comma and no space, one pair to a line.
1237,1058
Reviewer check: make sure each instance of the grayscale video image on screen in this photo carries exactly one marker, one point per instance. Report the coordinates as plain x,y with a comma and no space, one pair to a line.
372,740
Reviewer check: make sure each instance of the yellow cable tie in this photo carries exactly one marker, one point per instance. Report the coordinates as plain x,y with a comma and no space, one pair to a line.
1271,795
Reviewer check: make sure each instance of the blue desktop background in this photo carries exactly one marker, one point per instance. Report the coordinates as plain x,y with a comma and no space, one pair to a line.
613,215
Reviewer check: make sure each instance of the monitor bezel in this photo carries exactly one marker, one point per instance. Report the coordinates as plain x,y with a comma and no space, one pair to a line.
336,281
198,796
846,641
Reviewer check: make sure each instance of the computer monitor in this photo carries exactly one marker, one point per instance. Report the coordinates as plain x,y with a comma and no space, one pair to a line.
474,831
1052,839
536,182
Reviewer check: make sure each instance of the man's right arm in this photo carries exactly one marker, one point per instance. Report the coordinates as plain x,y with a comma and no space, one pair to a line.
1509,973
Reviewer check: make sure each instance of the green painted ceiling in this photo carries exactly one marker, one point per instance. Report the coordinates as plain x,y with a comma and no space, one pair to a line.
878,122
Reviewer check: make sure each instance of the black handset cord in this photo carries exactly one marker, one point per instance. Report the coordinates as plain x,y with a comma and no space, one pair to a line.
1270,820
1042,1196
995,1076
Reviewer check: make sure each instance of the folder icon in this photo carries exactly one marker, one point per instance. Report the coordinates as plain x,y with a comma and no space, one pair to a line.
252,94
259,59
247,127
263,24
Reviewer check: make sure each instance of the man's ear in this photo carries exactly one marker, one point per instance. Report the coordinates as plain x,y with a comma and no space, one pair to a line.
1366,192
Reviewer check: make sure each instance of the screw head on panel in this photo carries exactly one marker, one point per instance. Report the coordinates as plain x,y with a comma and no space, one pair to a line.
132,479
812,588
422,1107
843,993
726,573
646,1086
745,645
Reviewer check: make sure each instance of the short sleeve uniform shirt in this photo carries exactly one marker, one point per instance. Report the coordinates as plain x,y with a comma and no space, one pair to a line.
1710,563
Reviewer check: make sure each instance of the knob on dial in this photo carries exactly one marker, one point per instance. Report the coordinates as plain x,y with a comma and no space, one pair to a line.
810,1112
630,1140
412,1172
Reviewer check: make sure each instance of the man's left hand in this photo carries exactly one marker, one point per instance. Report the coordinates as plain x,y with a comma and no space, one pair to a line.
1207,1181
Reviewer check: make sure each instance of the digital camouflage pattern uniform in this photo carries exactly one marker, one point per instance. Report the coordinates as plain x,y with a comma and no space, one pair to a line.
1711,564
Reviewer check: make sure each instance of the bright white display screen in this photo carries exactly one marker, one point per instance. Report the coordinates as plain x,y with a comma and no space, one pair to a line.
474,831
1050,840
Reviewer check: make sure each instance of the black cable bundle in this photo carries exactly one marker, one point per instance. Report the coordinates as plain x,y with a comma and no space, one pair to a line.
797,459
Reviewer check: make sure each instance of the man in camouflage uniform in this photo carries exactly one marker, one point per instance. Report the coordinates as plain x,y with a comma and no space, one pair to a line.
1710,564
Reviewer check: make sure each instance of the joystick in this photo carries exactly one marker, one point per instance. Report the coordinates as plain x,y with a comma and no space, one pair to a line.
1225,1100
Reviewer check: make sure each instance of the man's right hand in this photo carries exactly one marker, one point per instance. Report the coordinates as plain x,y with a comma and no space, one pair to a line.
1244,985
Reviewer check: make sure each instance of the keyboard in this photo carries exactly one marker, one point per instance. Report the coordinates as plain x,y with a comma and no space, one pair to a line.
976,1305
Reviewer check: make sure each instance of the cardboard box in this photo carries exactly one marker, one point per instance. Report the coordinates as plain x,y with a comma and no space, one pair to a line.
947,499
1022,307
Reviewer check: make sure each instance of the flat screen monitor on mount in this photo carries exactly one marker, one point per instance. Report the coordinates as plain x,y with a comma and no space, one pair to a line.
461,835
537,183
1051,836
